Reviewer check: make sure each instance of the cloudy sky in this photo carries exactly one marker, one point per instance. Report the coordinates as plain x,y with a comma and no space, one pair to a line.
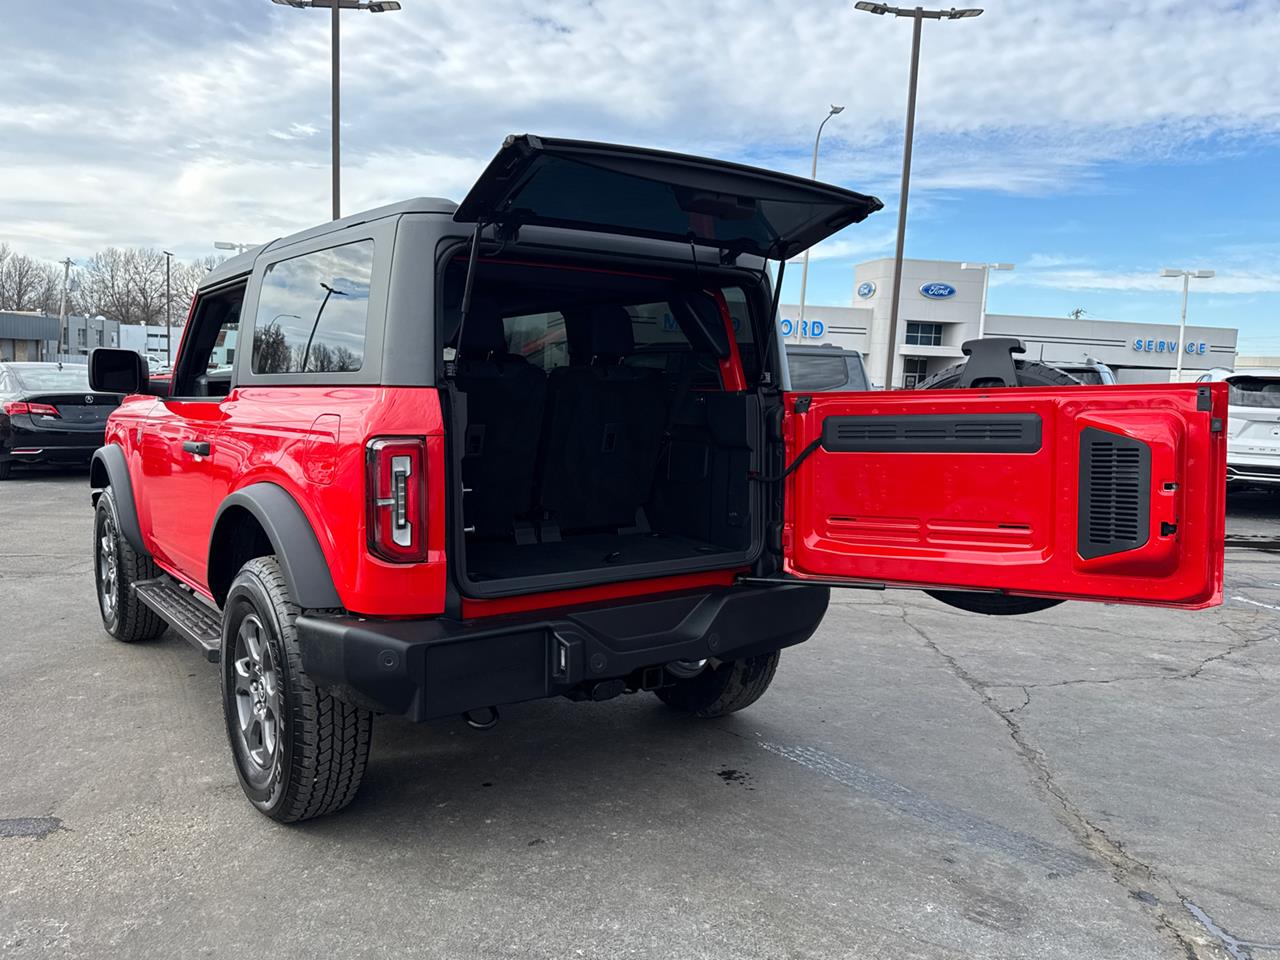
1091,143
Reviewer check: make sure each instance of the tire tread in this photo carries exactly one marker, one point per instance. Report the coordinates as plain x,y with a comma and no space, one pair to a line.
331,738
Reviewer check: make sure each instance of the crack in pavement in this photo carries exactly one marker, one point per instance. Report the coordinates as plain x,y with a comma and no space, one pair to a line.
1238,949
1137,877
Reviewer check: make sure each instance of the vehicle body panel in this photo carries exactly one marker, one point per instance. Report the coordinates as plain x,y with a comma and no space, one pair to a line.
923,509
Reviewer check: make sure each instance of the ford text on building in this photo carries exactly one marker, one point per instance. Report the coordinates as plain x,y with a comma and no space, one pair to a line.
941,307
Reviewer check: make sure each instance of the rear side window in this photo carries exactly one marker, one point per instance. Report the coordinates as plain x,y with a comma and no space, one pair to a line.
313,312
819,373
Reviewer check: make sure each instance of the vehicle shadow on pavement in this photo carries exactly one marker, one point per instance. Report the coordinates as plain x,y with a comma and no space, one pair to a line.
546,762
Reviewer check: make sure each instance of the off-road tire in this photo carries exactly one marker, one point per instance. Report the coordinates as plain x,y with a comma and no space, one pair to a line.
722,688
1030,374
124,616
6,468
322,744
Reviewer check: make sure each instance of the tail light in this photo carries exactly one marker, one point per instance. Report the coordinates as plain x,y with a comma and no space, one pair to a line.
397,496
13,407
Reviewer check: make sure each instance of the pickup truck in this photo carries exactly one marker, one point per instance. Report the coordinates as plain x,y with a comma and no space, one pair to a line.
438,458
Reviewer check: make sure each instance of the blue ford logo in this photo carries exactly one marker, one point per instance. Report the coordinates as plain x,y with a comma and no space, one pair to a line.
937,291
866,289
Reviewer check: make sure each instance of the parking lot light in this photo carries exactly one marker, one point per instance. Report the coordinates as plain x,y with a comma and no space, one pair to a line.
918,15
1186,276
813,175
336,7
986,269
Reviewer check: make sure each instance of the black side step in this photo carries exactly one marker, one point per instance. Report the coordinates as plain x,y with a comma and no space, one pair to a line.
196,621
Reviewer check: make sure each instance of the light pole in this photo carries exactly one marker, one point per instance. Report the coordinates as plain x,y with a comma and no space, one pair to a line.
336,7
62,309
1186,276
168,310
813,175
986,269
918,16
227,245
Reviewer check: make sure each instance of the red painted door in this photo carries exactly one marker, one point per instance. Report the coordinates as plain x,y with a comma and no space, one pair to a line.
184,484
1093,493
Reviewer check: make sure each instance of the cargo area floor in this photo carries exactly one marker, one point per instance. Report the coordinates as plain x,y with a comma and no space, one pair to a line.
501,560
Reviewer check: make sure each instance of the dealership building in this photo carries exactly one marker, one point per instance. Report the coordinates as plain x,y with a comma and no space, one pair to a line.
942,307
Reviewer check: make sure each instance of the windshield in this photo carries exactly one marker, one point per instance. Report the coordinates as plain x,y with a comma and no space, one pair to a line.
70,377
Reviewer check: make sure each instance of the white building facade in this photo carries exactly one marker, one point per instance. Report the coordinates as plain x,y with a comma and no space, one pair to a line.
941,308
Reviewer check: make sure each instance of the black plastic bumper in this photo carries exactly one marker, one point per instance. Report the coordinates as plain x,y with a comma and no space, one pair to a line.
436,668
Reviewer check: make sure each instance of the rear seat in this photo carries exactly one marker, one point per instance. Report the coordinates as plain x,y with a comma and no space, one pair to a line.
506,396
604,425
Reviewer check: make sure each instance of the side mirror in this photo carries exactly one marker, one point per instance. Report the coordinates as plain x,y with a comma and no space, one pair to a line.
112,370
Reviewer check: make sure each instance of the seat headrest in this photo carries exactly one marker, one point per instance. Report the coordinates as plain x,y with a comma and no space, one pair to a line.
609,335
483,333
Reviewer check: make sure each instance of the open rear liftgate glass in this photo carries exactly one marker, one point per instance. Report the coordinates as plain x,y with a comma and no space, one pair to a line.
1100,493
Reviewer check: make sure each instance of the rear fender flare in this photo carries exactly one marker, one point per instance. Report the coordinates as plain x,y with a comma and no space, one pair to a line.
294,542
108,468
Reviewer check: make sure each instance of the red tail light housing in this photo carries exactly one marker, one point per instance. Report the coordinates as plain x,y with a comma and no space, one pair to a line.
396,481
13,407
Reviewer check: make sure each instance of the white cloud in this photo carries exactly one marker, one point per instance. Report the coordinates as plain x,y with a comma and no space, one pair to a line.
198,119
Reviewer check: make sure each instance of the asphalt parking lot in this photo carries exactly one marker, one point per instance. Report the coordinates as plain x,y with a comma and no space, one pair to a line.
1087,782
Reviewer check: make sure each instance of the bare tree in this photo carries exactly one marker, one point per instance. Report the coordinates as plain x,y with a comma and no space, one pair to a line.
21,281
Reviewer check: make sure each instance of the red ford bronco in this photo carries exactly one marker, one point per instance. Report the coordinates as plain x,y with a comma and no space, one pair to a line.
436,458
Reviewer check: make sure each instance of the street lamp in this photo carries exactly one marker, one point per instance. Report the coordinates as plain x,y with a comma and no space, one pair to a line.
813,175
168,311
336,7
986,269
1186,276
918,16
227,245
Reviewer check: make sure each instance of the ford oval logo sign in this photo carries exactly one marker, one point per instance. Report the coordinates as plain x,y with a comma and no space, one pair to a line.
937,291
866,289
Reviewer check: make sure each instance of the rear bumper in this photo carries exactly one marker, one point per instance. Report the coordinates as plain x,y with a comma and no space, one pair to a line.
39,444
425,669
1242,469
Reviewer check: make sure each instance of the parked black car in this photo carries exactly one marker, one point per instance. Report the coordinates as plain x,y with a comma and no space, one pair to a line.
48,414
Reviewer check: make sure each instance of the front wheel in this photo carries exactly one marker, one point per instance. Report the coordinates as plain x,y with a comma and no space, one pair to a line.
116,568
299,752
722,688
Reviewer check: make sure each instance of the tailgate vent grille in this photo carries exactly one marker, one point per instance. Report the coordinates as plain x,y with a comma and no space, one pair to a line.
1115,484
928,433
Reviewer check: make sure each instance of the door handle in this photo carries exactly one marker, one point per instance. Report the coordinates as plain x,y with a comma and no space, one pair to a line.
199,447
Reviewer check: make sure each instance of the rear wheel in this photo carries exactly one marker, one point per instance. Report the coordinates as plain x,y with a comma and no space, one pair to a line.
116,568
722,688
299,752
1030,374
6,468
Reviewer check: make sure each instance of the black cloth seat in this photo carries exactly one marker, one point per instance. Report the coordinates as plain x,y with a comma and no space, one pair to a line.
604,424
506,396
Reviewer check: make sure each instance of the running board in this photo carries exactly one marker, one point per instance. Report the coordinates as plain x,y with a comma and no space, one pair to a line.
196,621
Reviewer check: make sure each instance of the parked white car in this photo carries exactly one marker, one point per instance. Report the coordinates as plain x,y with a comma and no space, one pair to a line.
1253,425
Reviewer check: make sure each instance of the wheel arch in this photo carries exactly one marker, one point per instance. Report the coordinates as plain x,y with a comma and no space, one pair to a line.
264,519
108,468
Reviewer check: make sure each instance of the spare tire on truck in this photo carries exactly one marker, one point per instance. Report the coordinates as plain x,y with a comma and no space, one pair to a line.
995,356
